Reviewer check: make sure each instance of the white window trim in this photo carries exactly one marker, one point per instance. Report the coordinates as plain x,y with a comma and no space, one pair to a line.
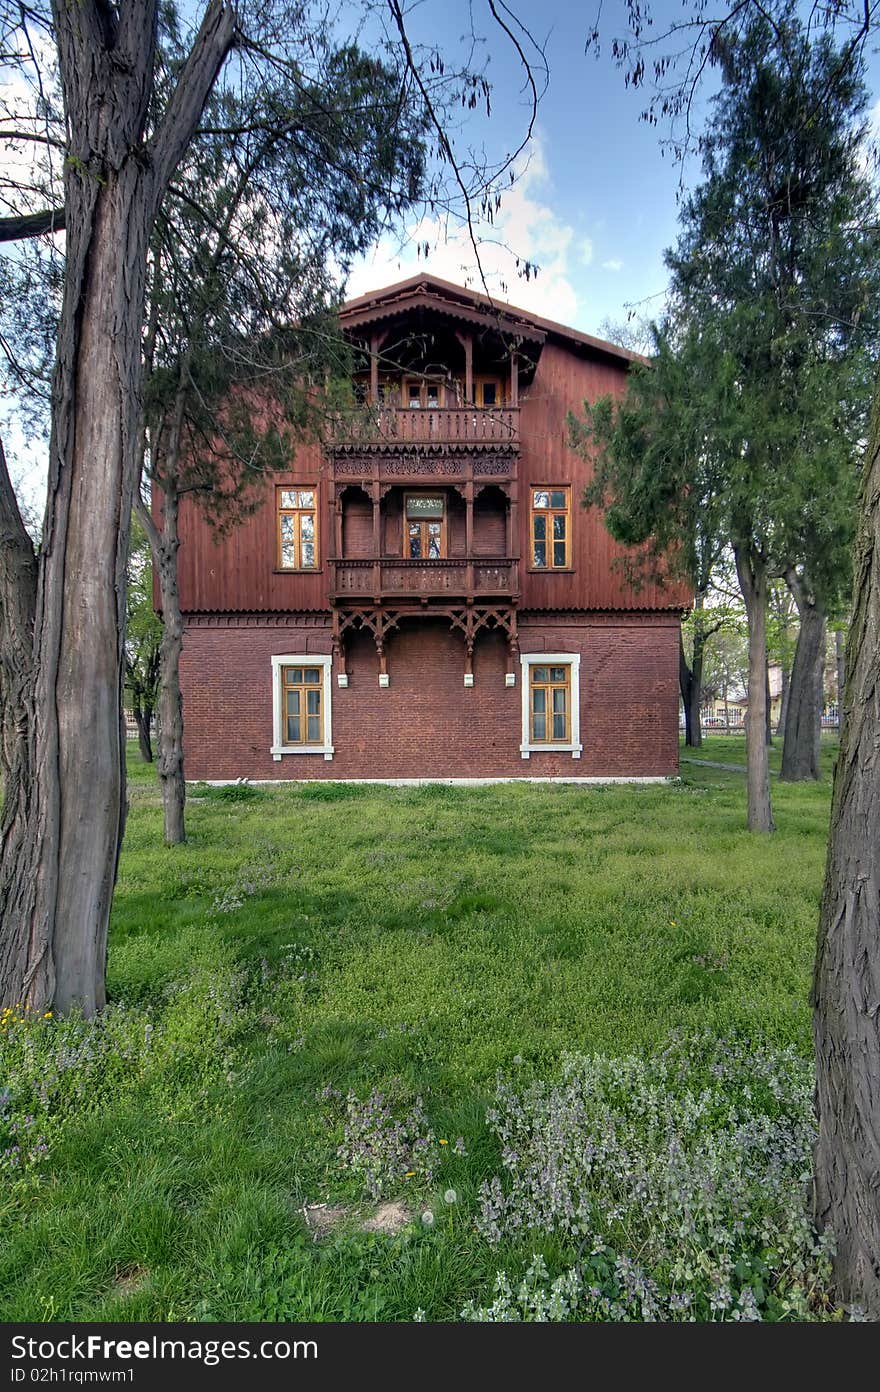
301,660
542,659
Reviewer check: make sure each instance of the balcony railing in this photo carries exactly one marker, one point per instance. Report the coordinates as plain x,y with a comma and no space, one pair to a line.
383,427
447,579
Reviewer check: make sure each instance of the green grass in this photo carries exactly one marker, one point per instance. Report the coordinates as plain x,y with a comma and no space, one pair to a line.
442,933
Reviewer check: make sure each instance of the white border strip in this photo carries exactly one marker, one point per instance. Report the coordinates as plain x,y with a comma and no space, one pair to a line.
598,781
279,748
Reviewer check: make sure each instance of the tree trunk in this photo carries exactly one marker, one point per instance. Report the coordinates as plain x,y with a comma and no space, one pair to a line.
846,988
18,586
803,726
753,583
142,718
164,544
783,703
841,679
690,681
61,847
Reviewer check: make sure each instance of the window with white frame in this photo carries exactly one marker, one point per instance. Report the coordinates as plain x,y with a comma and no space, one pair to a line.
301,705
550,704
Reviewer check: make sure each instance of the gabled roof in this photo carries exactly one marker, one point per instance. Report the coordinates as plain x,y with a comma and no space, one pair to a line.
429,292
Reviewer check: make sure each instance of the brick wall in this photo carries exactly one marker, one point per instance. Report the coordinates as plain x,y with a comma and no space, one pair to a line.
427,723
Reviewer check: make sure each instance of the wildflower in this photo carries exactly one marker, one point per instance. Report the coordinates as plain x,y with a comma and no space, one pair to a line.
450,1196
444,1143
410,1174
428,1218
459,1146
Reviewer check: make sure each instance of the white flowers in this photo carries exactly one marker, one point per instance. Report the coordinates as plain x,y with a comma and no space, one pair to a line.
428,1218
450,1196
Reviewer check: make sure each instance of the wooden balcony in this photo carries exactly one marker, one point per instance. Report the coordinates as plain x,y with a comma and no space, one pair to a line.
397,578
446,427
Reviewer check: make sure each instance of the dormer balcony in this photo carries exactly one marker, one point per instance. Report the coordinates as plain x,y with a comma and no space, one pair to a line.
454,428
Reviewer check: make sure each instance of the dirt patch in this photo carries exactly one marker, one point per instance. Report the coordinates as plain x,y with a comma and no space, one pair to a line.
322,1218
128,1281
388,1218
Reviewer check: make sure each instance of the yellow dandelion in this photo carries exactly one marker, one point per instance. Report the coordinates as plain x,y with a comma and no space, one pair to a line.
444,1143
410,1174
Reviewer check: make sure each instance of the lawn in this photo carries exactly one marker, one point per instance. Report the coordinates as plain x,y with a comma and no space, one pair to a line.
311,941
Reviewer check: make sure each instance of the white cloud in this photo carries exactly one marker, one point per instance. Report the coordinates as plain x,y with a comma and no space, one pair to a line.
586,252
612,265
526,227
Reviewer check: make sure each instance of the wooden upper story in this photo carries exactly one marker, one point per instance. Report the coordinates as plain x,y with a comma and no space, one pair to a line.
449,477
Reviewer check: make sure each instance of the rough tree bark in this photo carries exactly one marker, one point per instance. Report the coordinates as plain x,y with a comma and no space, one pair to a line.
752,575
803,725
846,986
164,544
60,851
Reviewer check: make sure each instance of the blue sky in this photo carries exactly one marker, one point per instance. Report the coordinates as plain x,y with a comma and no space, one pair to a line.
595,205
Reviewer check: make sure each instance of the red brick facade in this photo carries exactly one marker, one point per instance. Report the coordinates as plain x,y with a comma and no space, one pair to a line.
426,724
374,601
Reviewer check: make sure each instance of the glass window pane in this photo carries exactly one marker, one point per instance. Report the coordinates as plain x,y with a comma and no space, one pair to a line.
433,396
559,553
312,674
314,729
558,527
540,554
539,695
423,505
558,498
434,548
293,703
559,727
313,702
307,498
295,674
287,498
308,554
559,701
541,498
539,727
558,674
415,541
540,522
415,396
293,730
307,526
288,555
287,527
489,393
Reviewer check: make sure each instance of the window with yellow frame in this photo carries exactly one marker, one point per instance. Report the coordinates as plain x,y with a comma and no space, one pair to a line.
297,528
550,528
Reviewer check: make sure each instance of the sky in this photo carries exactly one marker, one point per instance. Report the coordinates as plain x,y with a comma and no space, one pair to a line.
594,204
595,201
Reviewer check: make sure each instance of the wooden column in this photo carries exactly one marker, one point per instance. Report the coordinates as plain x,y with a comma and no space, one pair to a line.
375,493
337,526
467,342
374,369
469,533
514,377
